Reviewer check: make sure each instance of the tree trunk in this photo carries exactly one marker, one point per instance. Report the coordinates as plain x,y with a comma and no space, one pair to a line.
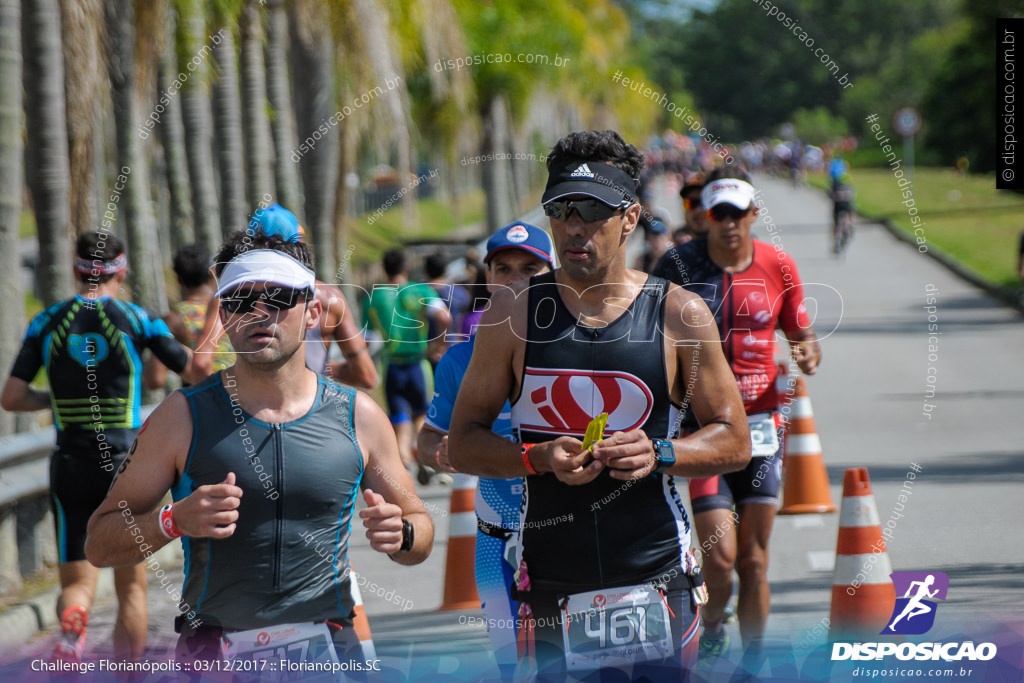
195,108
286,170
227,126
82,25
313,66
172,138
495,172
145,272
254,110
12,313
47,157
381,46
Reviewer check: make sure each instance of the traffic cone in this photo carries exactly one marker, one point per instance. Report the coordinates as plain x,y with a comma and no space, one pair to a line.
460,573
863,595
360,622
805,490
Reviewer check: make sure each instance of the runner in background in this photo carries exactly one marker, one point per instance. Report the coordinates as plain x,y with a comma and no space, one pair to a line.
752,288
514,253
399,310
90,347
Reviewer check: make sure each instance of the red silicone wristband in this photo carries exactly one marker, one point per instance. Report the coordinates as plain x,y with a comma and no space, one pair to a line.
526,458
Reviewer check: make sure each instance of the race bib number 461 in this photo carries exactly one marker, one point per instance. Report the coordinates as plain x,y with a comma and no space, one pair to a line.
614,628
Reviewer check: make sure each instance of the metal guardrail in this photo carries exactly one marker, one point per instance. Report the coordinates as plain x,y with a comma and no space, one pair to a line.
28,542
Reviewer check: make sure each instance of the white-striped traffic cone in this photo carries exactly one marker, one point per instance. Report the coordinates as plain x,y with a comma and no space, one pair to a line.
805,490
460,573
360,622
863,596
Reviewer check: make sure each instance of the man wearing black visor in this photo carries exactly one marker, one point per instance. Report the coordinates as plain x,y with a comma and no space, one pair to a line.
605,578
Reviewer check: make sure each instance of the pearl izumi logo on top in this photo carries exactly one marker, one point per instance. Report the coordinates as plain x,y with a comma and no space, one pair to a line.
914,613
582,171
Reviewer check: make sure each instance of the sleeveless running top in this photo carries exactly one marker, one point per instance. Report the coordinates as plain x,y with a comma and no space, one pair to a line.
609,532
288,558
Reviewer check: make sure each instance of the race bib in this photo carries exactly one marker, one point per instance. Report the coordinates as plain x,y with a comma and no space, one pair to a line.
295,642
616,627
764,439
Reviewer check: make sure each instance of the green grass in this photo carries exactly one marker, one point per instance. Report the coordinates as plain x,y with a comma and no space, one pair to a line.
437,220
27,224
966,217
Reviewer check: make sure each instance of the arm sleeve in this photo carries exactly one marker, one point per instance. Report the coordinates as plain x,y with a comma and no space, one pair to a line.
30,357
793,317
447,379
161,342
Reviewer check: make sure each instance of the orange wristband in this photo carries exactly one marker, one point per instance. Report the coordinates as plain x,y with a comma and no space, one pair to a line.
526,458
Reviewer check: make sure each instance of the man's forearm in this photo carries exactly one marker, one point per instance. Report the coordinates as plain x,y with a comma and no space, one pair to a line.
423,539
107,544
715,449
478,450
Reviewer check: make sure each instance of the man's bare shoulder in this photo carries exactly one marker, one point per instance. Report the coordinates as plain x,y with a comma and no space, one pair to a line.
687,315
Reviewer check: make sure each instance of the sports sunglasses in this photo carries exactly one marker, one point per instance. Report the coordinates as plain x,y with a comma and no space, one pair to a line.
244,300
587,209
721,212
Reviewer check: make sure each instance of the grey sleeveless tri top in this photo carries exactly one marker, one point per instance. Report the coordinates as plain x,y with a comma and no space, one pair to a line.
287,560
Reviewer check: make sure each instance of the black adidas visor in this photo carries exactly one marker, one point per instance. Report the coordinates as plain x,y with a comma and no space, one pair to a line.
604,182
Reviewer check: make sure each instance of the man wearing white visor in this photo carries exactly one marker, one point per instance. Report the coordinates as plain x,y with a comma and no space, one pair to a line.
752,287
264,461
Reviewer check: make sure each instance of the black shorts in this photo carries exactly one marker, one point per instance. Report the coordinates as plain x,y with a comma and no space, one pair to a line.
542,649
78,484
759,482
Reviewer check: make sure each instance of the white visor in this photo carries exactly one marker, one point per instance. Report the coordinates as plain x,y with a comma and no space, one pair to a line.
265,265
728,191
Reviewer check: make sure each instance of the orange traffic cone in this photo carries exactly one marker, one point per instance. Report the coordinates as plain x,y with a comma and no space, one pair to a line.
863,595
459,573
360,622
805,490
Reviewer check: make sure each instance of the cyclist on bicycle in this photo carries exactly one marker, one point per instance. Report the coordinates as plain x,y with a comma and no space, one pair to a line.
842,212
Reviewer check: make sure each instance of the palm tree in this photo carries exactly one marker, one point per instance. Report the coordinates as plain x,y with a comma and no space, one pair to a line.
254,109
82,28
313,69
172,139
227,120
139,227
12,313
195,107
46,163
286,172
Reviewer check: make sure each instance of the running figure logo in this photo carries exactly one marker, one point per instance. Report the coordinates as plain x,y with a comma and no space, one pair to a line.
914,613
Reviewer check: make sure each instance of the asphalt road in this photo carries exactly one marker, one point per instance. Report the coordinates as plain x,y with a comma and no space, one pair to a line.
869,398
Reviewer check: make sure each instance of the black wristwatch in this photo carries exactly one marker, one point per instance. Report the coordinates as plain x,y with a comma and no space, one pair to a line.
407,536
664,456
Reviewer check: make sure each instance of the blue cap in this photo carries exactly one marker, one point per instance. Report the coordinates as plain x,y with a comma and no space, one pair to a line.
522,236
276,220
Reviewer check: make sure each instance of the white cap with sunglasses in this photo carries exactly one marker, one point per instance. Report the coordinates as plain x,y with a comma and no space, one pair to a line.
265,265
732,191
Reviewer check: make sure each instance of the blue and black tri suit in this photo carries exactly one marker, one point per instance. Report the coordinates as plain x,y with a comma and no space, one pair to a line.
91,350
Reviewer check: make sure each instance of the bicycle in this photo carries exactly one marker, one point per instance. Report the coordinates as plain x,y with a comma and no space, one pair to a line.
842,231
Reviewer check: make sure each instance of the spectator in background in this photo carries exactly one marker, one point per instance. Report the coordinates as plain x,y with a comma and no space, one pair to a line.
476,285
455,296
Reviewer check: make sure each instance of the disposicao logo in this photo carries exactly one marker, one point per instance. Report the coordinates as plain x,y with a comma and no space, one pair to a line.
914,614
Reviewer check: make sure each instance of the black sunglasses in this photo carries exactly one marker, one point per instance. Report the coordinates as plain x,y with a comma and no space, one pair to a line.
588,210
692,203
244,300
721,212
